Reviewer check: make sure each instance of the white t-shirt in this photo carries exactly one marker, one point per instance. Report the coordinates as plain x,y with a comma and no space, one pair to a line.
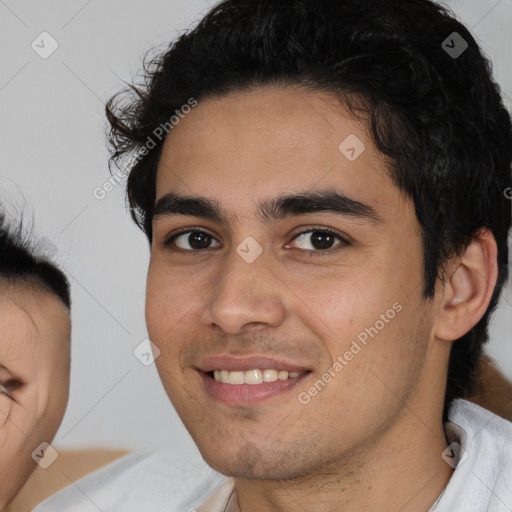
157,481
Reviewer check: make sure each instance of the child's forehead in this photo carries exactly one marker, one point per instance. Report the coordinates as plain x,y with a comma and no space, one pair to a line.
30,292
18,329
15,306
28,307
33,323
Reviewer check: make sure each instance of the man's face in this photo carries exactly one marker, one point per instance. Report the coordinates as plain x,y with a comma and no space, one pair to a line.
215,303
34,368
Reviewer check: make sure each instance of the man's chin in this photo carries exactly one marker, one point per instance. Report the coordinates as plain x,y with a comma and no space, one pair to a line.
251,464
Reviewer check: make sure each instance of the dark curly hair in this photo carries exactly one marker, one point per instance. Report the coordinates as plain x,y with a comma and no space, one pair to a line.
436,116
20,264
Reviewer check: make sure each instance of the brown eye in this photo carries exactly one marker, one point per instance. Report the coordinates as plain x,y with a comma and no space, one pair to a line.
192,240
321,240
318,240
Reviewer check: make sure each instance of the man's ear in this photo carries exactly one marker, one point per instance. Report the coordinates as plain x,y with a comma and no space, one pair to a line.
469,284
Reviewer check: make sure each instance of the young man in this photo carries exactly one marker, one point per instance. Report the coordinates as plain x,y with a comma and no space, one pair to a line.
324,189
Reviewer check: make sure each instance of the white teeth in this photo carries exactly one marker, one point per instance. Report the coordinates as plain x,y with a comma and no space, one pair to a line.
270,375
236,377
255,376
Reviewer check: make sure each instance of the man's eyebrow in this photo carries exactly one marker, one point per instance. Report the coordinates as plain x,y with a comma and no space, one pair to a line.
270,210
173,204
329,200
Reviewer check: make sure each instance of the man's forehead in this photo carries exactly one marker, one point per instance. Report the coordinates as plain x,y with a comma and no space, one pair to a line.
272,170
291,117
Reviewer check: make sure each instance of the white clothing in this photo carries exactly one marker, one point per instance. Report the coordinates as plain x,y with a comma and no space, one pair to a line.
157,482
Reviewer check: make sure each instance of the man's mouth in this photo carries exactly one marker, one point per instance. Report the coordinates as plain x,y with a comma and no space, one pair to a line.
255,376
248,380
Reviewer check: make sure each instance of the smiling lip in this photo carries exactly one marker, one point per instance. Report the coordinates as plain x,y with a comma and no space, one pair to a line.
247,394
230,363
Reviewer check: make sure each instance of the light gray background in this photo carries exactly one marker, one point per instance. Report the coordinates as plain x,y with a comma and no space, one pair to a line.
52,152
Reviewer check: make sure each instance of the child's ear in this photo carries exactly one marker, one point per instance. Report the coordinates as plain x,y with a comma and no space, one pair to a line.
469,285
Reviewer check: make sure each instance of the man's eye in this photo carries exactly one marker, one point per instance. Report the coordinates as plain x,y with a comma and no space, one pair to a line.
192,240
318,240
315,240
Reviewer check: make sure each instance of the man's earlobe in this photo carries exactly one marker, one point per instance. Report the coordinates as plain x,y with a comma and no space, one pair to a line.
470,283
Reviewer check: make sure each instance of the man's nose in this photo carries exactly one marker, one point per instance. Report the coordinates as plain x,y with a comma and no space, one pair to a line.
248,293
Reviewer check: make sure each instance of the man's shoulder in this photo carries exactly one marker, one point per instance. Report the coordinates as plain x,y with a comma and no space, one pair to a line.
142,480
482,480
482,426
485,437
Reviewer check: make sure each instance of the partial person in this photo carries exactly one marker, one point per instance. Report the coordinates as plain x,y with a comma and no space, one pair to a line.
35,327
34,357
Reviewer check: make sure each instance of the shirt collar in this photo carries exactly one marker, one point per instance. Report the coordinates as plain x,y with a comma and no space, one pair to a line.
222,500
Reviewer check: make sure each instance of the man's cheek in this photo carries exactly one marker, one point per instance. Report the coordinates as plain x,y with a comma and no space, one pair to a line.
168,304
161,316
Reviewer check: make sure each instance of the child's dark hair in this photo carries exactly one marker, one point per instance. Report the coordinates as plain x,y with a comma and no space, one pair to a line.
19,263
435,115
